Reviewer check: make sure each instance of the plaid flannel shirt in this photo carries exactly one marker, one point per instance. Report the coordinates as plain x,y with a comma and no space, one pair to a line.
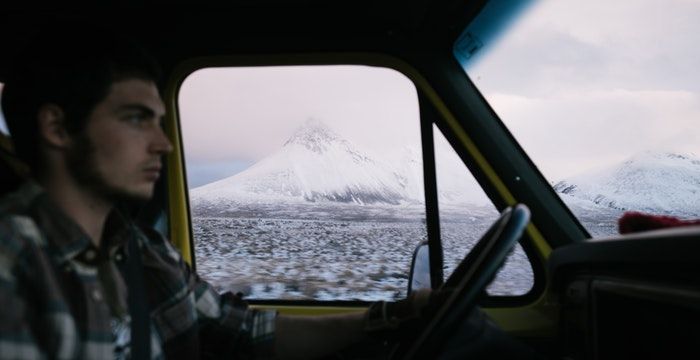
60,295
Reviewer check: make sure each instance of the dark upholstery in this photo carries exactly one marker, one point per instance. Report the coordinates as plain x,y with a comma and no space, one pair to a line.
12,170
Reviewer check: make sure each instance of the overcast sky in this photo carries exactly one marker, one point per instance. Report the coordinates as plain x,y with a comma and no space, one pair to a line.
232,117
585,84
581,84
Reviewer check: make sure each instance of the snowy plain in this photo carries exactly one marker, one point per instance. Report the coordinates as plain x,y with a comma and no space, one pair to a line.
346,256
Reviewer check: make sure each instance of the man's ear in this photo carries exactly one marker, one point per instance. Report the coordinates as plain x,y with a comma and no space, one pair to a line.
52,127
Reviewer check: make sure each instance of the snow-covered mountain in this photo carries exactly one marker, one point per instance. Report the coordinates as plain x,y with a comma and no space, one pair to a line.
657,182
317,164
314,164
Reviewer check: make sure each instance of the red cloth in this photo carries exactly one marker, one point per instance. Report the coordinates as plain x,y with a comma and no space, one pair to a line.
633,221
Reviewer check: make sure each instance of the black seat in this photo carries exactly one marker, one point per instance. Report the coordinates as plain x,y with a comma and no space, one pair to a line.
12,170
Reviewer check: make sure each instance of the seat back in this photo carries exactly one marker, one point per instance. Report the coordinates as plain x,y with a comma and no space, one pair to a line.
12,170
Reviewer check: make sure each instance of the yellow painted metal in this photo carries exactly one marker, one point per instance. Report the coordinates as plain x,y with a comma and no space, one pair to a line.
179,217
542,246
536,318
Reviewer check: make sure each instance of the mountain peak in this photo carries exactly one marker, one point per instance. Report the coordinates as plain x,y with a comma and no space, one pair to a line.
313,135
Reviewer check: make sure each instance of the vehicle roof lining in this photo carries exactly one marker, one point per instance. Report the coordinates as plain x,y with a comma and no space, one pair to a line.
213,27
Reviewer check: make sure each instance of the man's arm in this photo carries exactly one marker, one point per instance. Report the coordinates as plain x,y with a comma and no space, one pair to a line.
314,336
233,328
307,337
16,337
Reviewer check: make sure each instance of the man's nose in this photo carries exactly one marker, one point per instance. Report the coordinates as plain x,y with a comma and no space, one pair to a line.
160,143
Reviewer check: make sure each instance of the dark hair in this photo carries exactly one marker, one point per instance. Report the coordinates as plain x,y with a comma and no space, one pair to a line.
71,65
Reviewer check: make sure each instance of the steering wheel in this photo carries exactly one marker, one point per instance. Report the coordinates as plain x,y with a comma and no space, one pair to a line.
469,280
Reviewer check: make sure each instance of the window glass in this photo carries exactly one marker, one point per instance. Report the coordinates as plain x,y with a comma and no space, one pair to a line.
466,213
607,109
305,182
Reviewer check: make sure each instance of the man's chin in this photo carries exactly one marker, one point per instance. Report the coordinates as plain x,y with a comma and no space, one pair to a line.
129,197
138,197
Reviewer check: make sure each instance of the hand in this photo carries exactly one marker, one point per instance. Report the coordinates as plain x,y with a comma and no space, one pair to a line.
383,316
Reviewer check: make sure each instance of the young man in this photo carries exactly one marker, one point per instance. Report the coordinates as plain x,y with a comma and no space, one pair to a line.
85,112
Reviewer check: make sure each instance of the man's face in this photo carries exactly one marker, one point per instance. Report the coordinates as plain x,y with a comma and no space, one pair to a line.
118,154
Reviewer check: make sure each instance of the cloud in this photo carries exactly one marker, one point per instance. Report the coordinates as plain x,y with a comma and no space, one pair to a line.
556,45
576,131
582,84
247,113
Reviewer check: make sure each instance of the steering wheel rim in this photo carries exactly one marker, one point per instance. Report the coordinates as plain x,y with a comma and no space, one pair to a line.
470,279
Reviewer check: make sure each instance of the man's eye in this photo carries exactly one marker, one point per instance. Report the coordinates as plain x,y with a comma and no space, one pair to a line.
135,119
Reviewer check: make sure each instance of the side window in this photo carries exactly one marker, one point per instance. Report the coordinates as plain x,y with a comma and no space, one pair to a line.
305,182
465,215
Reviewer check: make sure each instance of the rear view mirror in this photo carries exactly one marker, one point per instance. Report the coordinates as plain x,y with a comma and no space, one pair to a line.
419,277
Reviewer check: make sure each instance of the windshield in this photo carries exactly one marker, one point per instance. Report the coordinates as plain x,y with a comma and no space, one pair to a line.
604,97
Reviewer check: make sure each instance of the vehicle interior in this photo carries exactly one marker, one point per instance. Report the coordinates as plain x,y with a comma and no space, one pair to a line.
590,296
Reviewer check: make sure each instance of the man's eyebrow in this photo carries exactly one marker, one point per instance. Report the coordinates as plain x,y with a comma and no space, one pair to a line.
137,107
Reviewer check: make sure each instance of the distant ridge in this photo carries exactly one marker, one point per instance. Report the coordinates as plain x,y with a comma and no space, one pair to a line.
656,182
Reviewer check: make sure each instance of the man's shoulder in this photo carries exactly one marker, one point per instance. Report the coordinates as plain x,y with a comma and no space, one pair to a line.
17,229
19,201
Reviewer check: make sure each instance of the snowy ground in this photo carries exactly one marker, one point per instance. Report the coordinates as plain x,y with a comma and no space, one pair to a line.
353,253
